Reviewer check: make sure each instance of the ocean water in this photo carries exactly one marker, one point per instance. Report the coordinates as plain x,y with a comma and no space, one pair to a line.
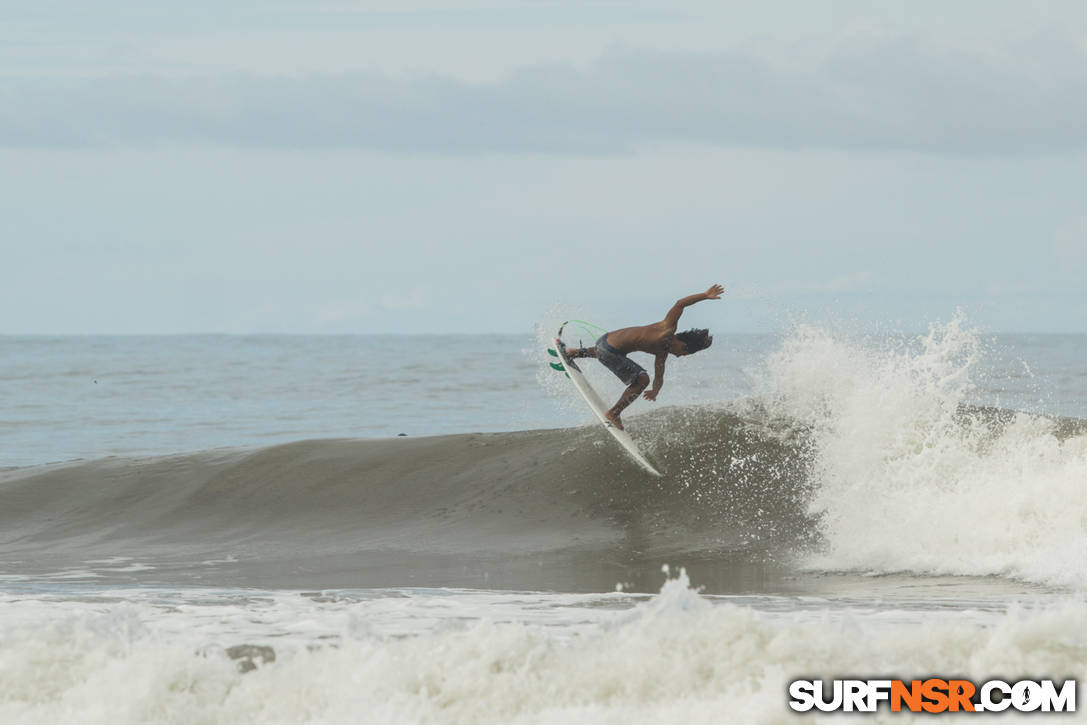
207,529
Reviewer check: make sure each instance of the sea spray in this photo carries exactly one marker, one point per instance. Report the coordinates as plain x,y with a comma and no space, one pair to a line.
908,477
676,657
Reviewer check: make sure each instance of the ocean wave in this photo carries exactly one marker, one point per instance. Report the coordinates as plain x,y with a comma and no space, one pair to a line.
854,457
565,507
675,658
907,476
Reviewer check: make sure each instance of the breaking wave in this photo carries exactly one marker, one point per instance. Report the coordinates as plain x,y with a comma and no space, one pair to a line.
855,456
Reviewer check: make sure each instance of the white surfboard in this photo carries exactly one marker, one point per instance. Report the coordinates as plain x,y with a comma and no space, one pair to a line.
598,406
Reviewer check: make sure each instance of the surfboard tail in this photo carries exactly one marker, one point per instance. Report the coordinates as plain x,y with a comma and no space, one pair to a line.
561,354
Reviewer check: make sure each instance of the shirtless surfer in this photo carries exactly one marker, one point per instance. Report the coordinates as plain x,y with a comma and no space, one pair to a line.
658,340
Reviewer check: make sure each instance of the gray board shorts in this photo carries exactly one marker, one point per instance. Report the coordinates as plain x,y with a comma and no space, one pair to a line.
624,368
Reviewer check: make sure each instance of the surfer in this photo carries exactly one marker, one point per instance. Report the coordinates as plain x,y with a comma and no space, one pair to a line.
658,340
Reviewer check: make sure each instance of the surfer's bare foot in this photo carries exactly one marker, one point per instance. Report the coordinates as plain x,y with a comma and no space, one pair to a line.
613,418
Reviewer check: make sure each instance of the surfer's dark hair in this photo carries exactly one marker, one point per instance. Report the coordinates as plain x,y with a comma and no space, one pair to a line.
695,340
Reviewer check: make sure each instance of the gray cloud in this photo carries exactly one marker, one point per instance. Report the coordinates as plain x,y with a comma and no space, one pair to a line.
864,93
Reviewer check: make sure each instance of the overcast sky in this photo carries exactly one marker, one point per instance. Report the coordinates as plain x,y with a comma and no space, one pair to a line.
471,167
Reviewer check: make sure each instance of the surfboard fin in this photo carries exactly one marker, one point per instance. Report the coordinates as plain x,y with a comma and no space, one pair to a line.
552,352
557,366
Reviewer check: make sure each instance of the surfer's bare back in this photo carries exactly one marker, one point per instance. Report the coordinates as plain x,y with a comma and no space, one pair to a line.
658,340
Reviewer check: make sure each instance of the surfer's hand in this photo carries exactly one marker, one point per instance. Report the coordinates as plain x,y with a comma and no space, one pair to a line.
714,292
650,394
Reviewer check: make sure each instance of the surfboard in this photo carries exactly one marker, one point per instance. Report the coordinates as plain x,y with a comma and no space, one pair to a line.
596,404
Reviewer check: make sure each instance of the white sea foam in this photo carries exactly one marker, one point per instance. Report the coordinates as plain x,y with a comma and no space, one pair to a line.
674,658
907,483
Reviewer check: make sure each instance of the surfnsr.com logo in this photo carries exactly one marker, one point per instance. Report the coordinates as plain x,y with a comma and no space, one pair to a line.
933,695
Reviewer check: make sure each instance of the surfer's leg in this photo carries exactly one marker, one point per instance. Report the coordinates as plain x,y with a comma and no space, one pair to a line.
629,396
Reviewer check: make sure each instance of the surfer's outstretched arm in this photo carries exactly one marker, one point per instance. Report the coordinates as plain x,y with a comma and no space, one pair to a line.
658,377
713,293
